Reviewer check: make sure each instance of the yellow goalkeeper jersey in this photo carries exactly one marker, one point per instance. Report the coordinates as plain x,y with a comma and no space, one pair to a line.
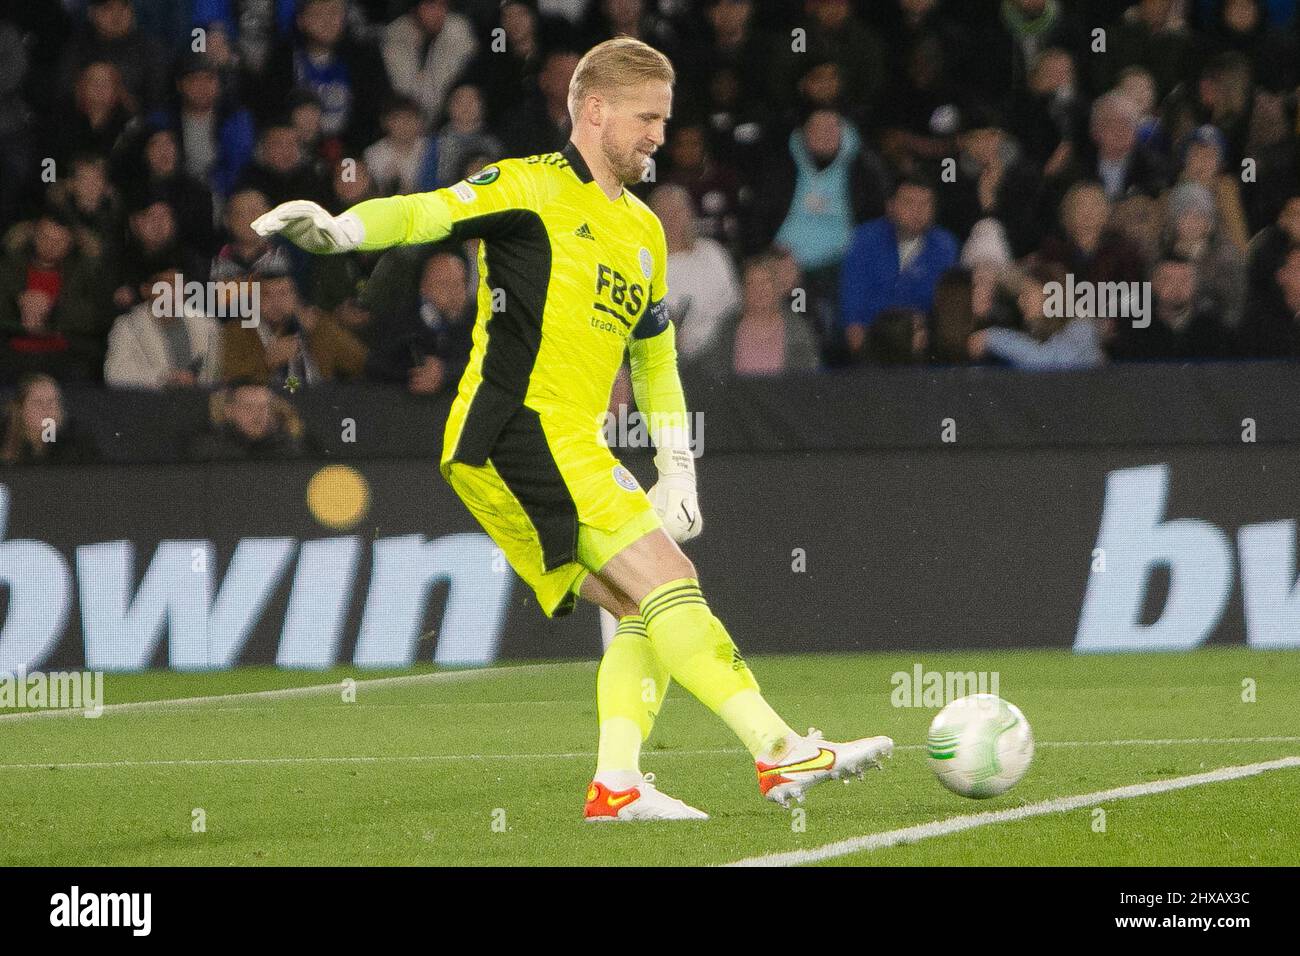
569,280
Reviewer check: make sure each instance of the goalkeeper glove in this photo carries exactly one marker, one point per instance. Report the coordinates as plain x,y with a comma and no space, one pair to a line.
673,495
310,227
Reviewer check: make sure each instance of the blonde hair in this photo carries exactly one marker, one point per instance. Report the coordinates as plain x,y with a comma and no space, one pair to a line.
616,64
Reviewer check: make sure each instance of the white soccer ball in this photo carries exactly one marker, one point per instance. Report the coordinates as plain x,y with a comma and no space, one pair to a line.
980,746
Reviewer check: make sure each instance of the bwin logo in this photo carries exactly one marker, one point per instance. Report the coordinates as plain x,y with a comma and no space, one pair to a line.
1135,538
73,909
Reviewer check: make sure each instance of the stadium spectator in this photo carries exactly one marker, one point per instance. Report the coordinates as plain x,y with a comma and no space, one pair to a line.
898,337
769,338
1194,234
1272,327
346,75
425,345
248,423
158,345
1223,95
50,303
894,262
110,36
1113,156
539,121
1087,245
991,180
425,51
506,76
292,344
215,134
919,115
244,250
813,194
1151,37
91,206
153,242
734,44
100,115
249,28
833,32
158,174
333,283
1049,342
406,159
39,431
1243,28
1186,322
1000,51
1050,115
965,300
1270,246
715,189
1202,162
464,134
703,294
281,171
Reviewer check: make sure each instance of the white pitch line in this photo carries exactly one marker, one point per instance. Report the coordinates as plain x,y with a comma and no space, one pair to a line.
569,755
936,828
284,693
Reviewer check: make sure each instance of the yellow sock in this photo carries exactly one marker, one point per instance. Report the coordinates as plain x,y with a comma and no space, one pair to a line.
700,655
630,688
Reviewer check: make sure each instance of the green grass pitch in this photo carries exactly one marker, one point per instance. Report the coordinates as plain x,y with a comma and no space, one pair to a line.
490,768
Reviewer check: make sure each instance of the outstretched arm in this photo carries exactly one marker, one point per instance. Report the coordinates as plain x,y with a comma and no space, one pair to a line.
469,209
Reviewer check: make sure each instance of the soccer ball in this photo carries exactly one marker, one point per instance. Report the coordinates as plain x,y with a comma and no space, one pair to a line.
980,746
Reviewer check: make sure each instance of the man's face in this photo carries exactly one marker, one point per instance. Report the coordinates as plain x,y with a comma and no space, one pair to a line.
112,20
1173,285
199,90
160,153
43,402
154,226
1114,135
52,241
243,208
728,16
443,284
632,127
280,148
829,14
822,134
279,299
249,410
912,210
322,22
431,15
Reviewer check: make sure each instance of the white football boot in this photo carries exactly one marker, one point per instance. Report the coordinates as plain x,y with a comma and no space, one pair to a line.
812,760
640,801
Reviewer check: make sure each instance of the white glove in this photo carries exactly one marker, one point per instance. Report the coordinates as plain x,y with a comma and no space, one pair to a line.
673,495
310,227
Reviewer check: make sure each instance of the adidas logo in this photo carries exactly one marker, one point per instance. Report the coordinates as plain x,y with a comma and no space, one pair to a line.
582,232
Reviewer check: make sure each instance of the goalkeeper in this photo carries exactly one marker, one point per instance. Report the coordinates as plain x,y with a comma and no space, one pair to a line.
573,273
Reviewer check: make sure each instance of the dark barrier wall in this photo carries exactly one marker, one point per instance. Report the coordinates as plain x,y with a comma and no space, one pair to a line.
123,567
879,408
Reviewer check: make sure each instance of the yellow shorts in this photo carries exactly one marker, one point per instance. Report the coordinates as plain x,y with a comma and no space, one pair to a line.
558,509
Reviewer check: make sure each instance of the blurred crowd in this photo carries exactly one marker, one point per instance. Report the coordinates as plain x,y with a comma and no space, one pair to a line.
845,182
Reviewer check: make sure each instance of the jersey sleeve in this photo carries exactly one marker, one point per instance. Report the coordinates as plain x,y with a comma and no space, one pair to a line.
652,351
479,207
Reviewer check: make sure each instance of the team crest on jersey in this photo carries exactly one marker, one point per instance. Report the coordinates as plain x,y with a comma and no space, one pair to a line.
647,263
624,478
485,176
